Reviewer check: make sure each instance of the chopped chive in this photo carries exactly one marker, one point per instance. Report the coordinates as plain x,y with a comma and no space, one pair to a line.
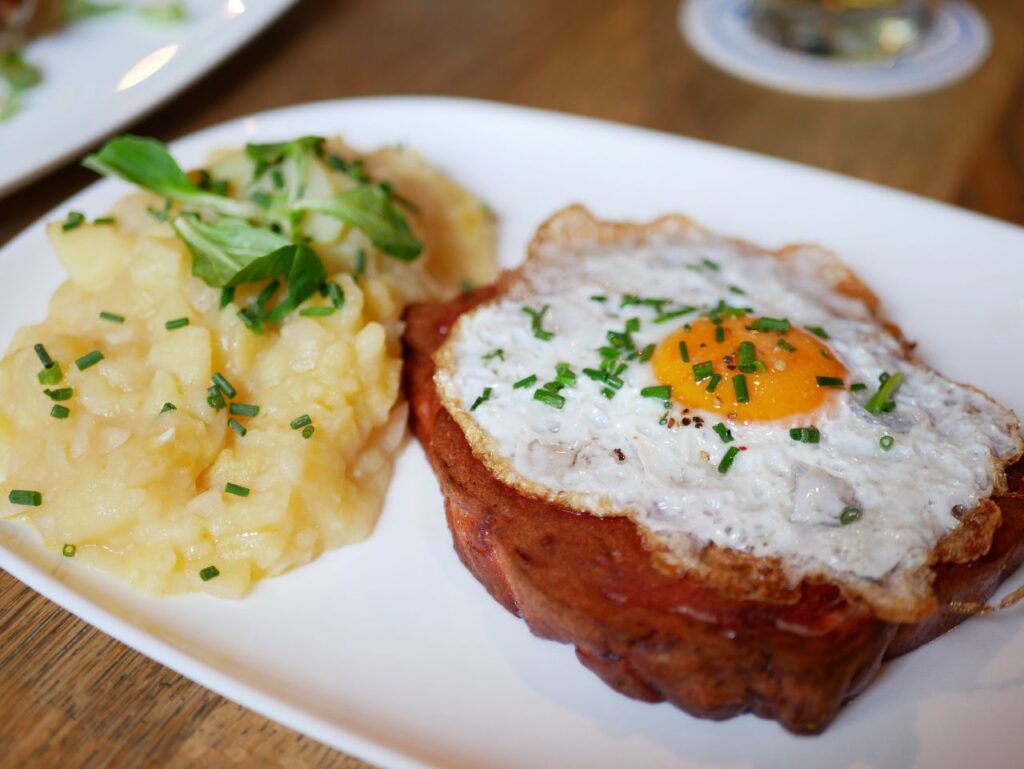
537,321
171,325
50,375
215,398
661,392
631,299
498,353
25,497
806,434
307,431
722,310
266,295
723,432
710,263
880,400
829,381
668,315
277,178
244,409
168,407
112,317
646,353
253,323
713,382
595,374
336,295
739,384
565,376
60,412
238,491
598,298
857,387
886,442
726,463
719,334
747,357
780,325
237,427
619,340
849,515
227,296
703,370
276,315
551,399
104,220
684,353
608,393
818,331
43,355
302,421
262,199
224,385
737,290
483,398
360,261
68,551
89,359
632,325
526,381
785,345
75,220
317,312
60,394
209,573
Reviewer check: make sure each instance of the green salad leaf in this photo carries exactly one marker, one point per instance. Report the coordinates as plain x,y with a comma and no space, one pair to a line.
299,263
370,208
148,164
231,252
20,75
224,249
235,241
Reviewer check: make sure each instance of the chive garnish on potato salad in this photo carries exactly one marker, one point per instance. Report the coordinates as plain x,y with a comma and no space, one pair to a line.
215,389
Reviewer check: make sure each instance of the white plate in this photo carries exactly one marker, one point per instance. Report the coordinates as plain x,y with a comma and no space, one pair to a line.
391,651
106,71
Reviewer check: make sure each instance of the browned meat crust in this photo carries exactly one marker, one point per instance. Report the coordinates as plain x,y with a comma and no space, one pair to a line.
592,582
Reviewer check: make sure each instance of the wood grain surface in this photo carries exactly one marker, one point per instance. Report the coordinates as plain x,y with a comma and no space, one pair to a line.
72,697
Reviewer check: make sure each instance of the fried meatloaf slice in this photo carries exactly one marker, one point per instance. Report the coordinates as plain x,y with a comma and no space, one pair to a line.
656,634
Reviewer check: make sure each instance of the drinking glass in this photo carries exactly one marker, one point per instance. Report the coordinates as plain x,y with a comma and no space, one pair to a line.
859,29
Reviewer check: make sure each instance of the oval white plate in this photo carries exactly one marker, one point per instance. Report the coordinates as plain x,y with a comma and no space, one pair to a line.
103,72
391,651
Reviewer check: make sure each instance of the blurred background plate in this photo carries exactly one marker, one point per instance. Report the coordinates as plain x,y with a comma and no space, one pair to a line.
101,73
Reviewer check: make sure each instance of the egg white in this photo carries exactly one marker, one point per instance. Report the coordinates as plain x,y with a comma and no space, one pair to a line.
781,498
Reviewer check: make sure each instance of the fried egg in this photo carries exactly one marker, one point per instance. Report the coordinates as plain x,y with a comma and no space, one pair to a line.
719,394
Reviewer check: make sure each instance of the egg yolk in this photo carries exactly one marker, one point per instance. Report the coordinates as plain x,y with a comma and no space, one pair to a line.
746,374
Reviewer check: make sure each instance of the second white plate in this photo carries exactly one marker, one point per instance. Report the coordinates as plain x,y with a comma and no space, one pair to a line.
391,651
103,72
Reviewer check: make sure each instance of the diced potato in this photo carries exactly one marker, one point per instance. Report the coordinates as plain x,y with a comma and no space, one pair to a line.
187,354
93,255
136,476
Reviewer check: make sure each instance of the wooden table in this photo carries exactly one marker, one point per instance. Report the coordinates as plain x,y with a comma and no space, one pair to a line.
72,697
